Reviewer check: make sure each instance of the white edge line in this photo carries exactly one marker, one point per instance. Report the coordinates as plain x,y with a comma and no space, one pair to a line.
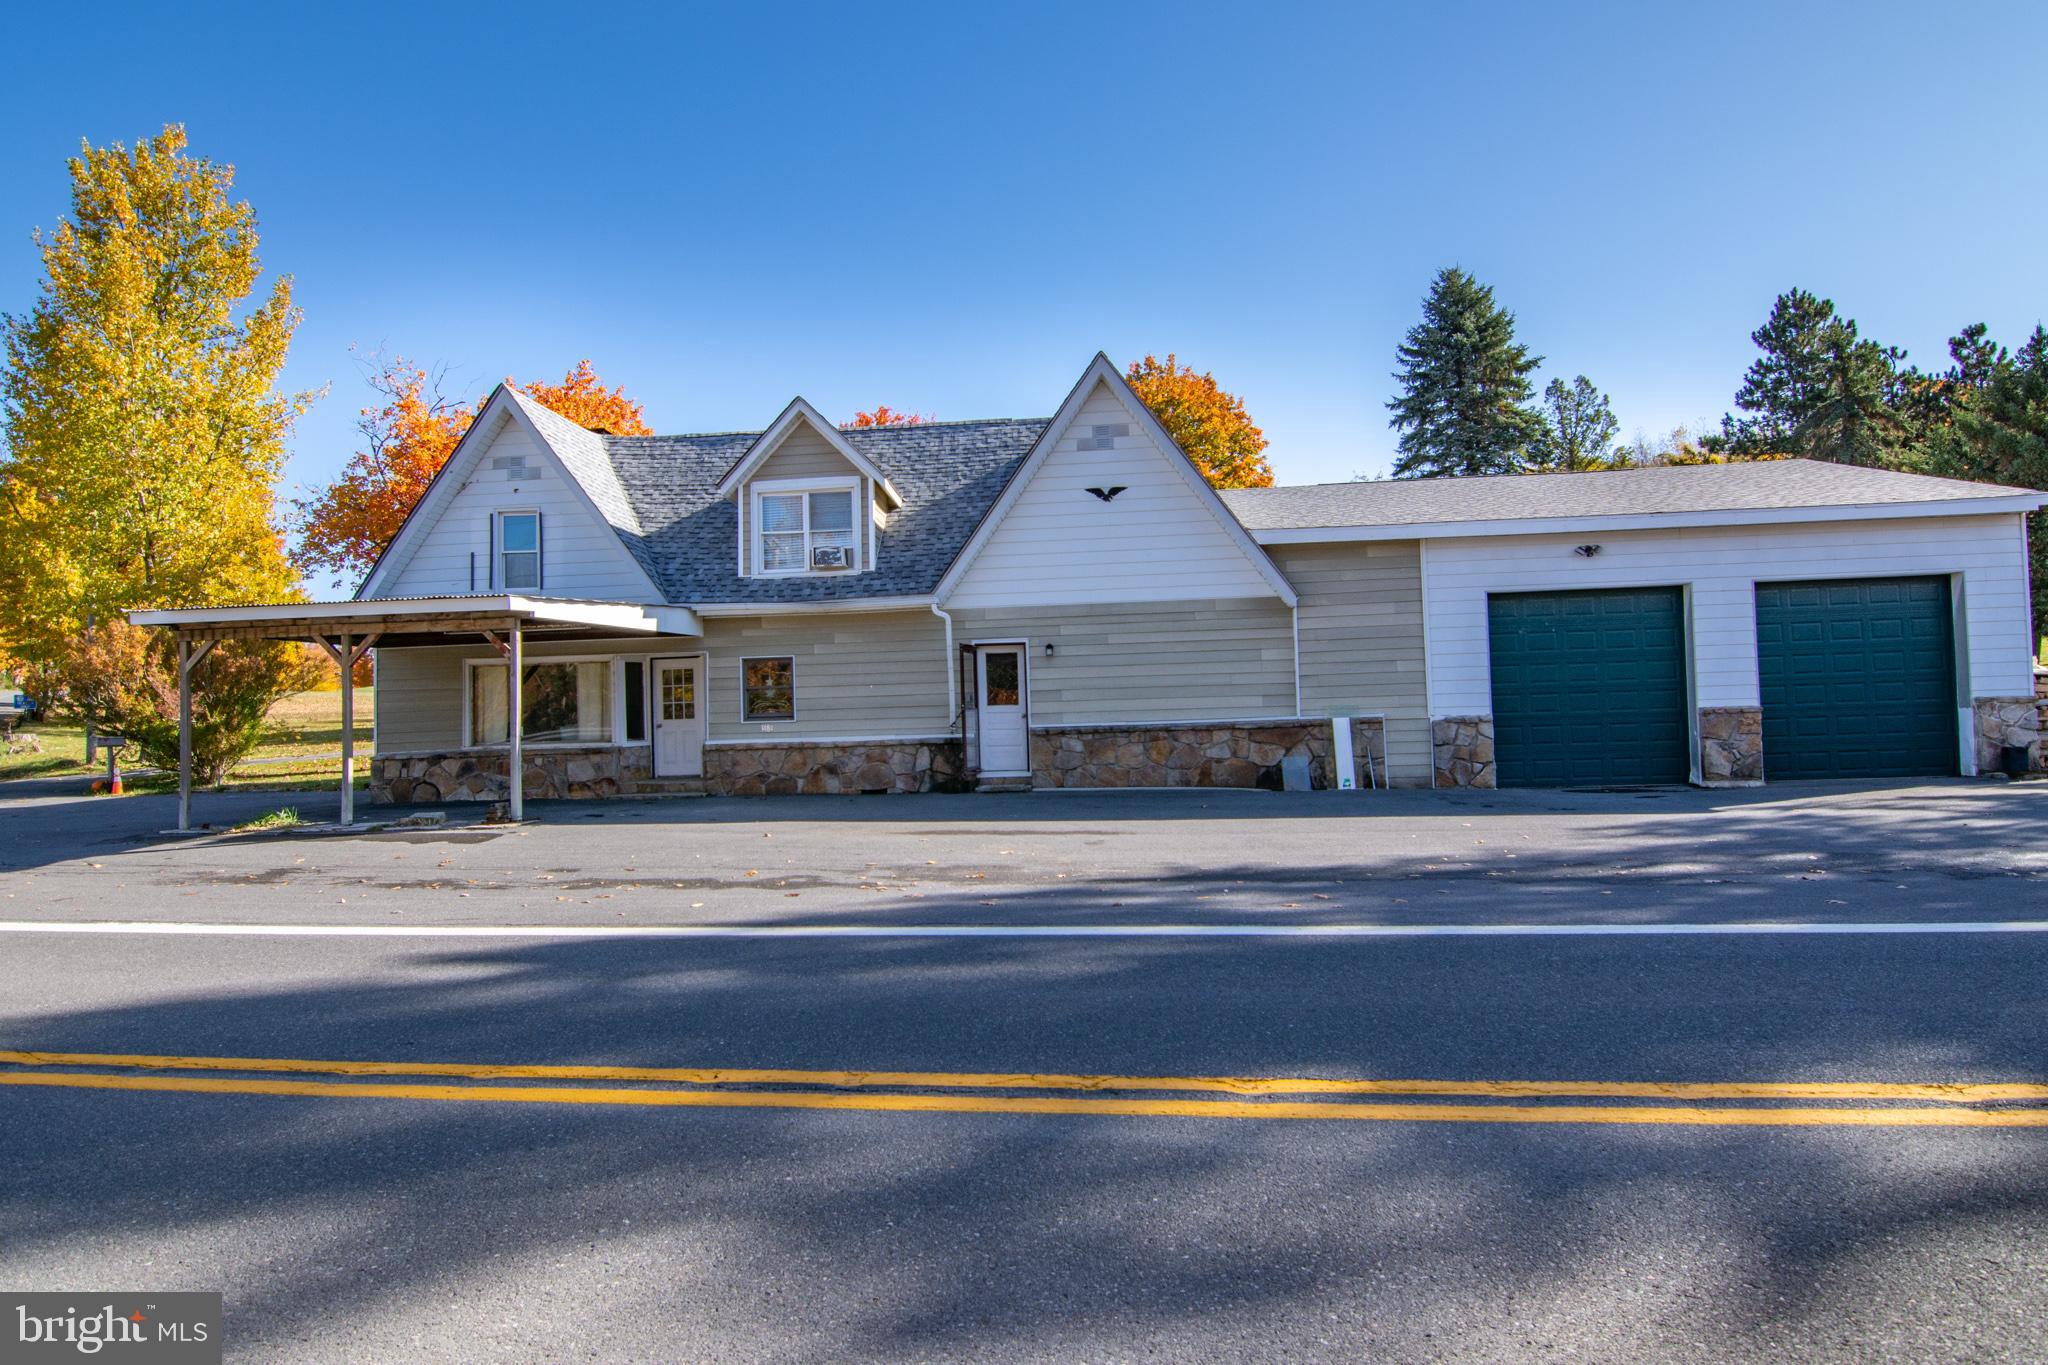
598,931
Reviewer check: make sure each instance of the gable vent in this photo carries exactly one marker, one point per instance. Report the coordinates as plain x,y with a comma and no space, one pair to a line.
1104,436
515,467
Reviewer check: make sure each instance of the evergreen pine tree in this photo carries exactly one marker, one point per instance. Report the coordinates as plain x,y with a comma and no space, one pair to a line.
1853,417
1465,386
1783,384
1578,427
1823,392
1998,432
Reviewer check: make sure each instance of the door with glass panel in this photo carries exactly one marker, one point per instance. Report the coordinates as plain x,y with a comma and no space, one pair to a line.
999,710
679,717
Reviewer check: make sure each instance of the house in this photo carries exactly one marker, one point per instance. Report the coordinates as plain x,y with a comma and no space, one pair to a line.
1065,602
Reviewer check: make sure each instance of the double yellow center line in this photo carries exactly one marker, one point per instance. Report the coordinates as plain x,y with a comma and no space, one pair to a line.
1736,1103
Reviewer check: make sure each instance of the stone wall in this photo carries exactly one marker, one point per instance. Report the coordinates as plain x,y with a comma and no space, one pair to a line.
1731,746
423,779
1463,746
1179,755
825,769
729,770
2008,720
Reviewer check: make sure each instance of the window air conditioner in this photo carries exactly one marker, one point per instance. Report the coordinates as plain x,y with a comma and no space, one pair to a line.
831,557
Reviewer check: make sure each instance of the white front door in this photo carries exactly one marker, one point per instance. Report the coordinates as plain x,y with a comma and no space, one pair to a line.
678,718
999,702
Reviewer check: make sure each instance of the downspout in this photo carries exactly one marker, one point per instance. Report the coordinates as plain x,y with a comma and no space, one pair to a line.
1297,658
952,683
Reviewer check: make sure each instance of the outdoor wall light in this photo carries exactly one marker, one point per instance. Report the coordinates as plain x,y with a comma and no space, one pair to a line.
1048,649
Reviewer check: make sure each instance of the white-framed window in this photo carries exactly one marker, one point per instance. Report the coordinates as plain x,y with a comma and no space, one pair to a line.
561,701
794,519
515,553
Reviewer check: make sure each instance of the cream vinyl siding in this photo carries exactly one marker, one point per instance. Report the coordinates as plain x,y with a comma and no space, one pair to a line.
1159,540
581,555
804,454
419,691
1361,642
1224,659
1722,566
859,675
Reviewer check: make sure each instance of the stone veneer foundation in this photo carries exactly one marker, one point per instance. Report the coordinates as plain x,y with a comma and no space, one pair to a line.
423,779
790,769
1463,750
2003,721
1192,755
1731,746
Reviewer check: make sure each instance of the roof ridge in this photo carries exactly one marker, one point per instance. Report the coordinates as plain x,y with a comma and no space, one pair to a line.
849,431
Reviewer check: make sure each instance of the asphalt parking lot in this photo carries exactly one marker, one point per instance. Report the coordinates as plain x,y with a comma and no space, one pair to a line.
1033,1077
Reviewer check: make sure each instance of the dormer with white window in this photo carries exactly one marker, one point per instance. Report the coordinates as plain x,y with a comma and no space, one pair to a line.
810,505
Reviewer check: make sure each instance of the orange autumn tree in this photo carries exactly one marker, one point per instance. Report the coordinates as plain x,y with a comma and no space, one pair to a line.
1211,425
406,439
885,416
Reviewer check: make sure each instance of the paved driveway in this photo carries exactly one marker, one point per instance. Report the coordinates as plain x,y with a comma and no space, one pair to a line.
1233,1140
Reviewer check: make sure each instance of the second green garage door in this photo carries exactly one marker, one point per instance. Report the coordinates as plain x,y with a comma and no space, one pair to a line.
1589,688
1857,678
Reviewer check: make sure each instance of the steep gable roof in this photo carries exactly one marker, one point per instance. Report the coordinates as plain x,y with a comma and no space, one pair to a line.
580,453
1101,372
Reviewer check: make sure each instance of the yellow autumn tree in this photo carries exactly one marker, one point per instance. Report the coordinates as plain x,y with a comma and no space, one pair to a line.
1210,424
144,429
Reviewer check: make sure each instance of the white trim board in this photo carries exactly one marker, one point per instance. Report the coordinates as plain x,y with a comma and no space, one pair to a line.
1648,521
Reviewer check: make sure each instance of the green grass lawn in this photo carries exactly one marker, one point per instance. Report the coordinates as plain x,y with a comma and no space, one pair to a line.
301,730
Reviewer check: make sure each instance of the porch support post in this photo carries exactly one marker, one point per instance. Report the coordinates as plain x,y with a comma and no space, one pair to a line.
184,733
515,763
348,732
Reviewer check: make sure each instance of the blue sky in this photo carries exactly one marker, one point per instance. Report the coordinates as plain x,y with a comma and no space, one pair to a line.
950,208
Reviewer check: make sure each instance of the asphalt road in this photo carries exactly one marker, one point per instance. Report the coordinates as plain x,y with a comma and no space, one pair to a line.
621,1215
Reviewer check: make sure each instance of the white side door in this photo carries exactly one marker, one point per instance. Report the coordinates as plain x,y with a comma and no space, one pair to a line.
679,717
999,702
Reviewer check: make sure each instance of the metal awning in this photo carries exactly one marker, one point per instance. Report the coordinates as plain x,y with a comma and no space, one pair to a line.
347,629
424,620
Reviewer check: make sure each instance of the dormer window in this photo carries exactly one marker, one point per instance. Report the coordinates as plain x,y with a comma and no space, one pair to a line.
518,551
806,526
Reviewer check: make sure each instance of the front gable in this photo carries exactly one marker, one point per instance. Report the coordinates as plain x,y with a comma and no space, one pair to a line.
505,463
802,452
1108,509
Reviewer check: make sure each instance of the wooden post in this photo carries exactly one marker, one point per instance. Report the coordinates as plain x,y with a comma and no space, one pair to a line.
515,763
184,733
348,732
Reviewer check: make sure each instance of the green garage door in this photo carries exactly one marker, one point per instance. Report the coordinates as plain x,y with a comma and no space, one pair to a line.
1858,678
1589,688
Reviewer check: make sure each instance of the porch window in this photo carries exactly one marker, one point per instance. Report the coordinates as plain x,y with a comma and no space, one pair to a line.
519,551
560,703
796,524
770,688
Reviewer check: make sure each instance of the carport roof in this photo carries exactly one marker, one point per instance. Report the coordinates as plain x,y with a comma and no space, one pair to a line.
1693,493
423,620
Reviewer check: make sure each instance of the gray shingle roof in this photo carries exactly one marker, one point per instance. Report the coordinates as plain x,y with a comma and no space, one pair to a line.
1747,486
948,473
